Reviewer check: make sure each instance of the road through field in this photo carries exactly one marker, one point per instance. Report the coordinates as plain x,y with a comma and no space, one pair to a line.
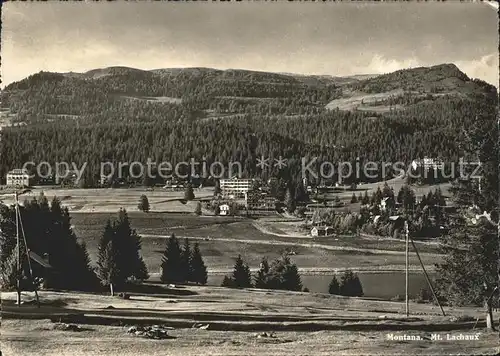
312,270
289,243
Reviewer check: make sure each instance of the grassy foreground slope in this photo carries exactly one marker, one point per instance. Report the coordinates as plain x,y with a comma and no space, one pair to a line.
303,324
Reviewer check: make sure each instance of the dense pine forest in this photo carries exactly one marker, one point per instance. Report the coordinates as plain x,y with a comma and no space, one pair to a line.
124,114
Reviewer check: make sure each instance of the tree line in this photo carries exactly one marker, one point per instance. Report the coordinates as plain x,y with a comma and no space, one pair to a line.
282,274
108,125
48,232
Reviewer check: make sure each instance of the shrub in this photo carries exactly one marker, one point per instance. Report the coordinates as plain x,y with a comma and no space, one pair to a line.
227,282
143,204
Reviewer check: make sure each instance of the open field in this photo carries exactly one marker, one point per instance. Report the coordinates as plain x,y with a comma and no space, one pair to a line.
295,323
395,184
221,239
111,200
163,200
362,100
154,99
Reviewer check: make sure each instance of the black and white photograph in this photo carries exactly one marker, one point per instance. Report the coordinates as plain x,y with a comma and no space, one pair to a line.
243,178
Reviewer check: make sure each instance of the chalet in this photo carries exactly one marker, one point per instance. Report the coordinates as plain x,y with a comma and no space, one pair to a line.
70,178
427,163
387,203
224,209
42,264
174,185
321,231
38,259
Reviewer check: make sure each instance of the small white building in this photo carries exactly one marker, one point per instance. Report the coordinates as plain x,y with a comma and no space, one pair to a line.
18,178
321,231
224,209
428,163
384,204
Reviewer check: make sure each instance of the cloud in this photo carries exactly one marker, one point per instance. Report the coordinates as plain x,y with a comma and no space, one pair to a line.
485,68
380,64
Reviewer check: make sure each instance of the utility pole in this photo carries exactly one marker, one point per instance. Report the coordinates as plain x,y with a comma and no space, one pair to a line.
406,270
20,228
427,277
18,247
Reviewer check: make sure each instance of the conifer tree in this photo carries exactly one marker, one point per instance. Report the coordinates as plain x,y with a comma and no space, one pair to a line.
350,285
262,274
283,274
128,243
8,243
171,266
189,193
143,204
470,271
107,259
199,270
354,199
197,210
49,233
290,201
300,192
291,277
334,286
366,199
227,282
217,190
241,274
186,267
377,196
406,197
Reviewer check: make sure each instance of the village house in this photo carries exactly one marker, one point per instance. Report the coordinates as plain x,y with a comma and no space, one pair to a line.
427,163
387,203
69,179
321,231
224,209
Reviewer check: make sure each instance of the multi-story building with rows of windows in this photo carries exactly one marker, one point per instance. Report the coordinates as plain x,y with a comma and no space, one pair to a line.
18,178
235,188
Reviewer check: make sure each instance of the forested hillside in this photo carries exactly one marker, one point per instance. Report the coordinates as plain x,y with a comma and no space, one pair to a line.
126,114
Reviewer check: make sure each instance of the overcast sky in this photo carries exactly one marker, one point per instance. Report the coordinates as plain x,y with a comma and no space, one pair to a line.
310,38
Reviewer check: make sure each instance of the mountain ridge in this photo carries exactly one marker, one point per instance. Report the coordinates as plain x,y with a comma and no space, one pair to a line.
129,114
208,92
449,68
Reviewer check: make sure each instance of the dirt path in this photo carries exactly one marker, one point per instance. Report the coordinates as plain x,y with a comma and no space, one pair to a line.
292,243
265,230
